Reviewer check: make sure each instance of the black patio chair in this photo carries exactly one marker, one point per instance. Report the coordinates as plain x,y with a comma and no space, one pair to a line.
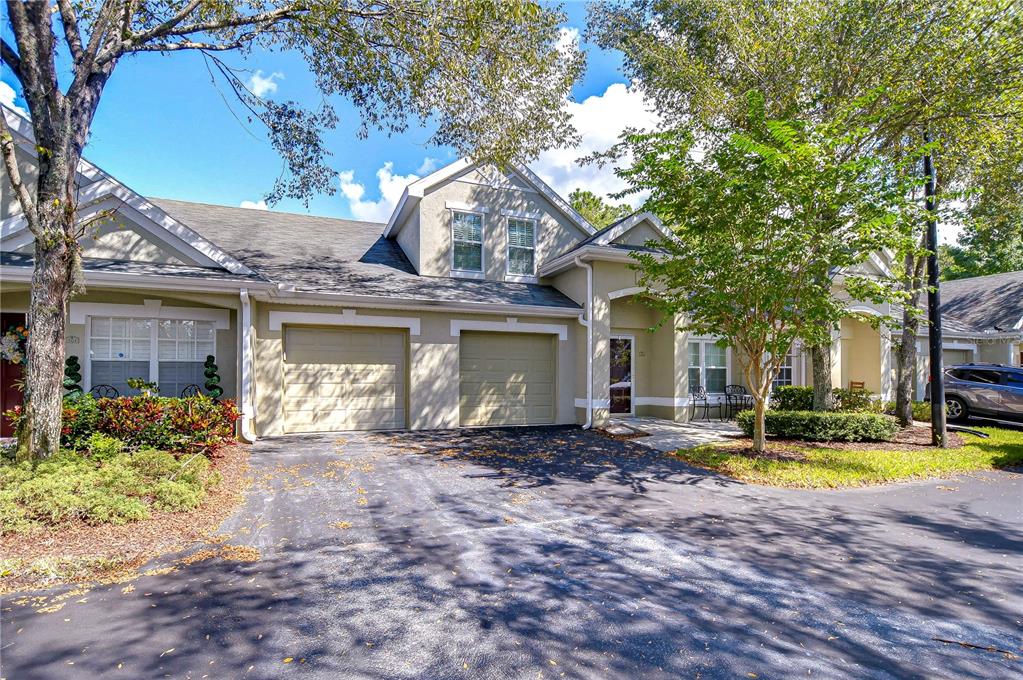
104,391
192,390
737,398
698,397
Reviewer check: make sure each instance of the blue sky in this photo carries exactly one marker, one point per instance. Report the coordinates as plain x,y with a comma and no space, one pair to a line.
164,130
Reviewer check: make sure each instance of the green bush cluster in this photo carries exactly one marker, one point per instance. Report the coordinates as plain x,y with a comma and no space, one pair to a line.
101,484
797,398
193,425
823,426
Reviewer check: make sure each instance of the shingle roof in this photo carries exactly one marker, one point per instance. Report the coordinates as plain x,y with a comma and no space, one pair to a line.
328,255
985,302
91,264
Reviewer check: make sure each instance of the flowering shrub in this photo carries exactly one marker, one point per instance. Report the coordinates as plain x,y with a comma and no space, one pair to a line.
193,425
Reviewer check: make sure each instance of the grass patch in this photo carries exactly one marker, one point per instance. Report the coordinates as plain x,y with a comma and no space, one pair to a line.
819,467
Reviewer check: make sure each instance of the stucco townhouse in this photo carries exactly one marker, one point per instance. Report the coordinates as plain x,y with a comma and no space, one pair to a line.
484,300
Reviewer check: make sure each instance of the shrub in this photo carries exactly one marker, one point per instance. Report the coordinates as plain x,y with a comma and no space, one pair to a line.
110,488
823,426
857,400
103,447
195,425
922,411
792,398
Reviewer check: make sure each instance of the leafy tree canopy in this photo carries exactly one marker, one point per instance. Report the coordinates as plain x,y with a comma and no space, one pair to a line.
596,210
763,218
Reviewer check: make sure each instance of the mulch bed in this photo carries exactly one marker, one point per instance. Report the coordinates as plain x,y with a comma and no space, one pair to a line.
908,439
108,551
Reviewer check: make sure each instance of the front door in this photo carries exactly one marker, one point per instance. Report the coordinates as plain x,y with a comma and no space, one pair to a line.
10,376
621,374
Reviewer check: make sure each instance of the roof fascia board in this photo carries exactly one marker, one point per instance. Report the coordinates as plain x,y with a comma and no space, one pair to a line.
411,304
148,281
634,220
586,253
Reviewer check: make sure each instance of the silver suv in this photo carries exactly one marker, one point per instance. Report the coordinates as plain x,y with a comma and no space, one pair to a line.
984,391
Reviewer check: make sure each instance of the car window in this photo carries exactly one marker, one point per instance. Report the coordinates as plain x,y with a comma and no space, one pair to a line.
978,376
1013,379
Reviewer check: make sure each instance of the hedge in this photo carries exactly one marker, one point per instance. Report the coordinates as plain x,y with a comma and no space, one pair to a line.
192,425
823,426
796,398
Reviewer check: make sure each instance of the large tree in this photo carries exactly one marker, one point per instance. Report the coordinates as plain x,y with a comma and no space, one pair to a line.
761,218
595,209
488,75
895,67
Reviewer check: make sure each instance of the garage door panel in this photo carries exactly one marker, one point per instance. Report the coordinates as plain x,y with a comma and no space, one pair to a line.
506,379
344,379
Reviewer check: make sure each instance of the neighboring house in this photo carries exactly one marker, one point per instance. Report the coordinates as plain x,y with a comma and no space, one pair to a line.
982,322
485,300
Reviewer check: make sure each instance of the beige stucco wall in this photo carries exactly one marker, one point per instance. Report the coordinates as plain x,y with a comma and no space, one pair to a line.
639,235
433,365
430,249
860,357
117,238
15,297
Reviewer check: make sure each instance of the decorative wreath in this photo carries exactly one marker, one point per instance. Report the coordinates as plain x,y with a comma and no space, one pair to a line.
12,344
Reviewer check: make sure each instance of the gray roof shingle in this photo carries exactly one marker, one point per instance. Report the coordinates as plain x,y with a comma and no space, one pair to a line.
329,255
993,302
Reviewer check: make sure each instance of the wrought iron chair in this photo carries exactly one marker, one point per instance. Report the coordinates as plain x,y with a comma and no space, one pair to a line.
104,391
699,397
192,390
737,399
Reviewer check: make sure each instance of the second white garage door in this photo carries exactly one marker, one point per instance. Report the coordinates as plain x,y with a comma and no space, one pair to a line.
343,379
506,379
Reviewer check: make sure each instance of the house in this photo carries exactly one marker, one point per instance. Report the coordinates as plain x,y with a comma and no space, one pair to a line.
982,322
484,300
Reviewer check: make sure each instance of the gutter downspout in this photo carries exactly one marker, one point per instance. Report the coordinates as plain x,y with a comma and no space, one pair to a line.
247,411
588,322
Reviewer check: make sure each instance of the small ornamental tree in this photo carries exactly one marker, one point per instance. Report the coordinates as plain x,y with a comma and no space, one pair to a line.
72,376
762,219
212,373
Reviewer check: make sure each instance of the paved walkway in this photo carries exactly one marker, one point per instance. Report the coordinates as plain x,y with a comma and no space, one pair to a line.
553,553
666,435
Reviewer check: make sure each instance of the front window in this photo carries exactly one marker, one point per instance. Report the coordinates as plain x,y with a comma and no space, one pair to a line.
169,352
521,246
786,374
708,366
467,240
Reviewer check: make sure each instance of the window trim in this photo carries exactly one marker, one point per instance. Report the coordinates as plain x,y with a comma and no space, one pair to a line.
154,342
703,341
469,210
508,274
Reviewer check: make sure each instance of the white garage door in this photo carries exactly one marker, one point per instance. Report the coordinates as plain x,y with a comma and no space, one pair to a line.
506,379
951,357
343,379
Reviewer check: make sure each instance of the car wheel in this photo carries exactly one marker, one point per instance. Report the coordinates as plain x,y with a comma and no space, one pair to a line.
956,409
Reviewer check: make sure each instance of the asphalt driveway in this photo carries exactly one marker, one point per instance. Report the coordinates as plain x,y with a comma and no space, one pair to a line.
556,553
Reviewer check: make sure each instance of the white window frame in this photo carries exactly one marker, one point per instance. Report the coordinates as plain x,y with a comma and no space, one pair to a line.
535,218
154,343
703,341
468,273
796,352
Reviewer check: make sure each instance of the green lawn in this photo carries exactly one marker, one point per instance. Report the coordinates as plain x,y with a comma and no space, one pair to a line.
835,468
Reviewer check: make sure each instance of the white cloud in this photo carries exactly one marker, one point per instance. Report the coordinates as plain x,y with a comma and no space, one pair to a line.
7,96
599,119
568,38
428,165
263,85
254,205
390,186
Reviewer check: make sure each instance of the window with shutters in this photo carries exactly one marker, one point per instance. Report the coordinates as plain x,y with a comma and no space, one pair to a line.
467,241
169,352
521,246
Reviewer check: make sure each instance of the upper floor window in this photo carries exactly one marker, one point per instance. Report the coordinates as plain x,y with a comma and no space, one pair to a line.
467,241
521,246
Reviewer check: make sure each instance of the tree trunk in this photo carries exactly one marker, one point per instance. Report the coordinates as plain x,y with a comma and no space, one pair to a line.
906,356
52,282
820,358
759,425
